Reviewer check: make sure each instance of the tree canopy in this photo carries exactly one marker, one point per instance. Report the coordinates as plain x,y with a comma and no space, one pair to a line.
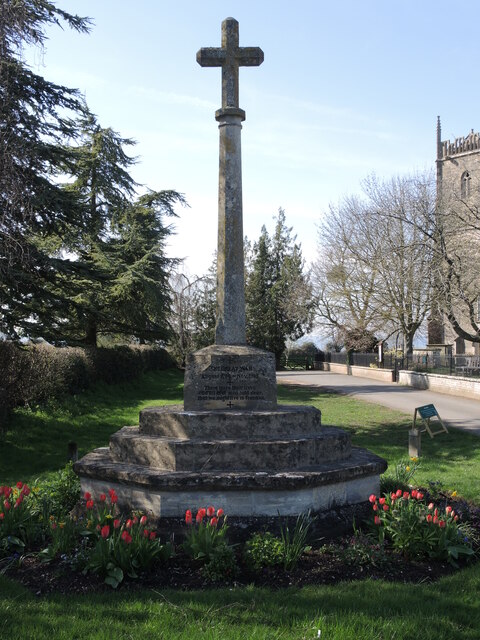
81,253
278,293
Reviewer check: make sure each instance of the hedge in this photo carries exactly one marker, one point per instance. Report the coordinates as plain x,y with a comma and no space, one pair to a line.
30,375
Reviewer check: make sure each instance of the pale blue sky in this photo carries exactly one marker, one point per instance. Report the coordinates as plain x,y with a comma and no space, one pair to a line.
347,88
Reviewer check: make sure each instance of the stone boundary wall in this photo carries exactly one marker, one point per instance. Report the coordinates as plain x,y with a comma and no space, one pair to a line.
384,375
453,385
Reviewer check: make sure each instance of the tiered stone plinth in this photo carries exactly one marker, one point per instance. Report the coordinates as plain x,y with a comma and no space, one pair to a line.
252,462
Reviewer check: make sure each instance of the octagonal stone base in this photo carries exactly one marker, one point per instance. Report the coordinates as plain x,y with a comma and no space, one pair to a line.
169,494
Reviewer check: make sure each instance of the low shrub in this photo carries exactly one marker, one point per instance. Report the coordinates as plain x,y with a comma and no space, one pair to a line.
57,495
263,549
34,374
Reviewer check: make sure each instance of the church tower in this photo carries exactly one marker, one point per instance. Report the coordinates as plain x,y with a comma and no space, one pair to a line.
458,180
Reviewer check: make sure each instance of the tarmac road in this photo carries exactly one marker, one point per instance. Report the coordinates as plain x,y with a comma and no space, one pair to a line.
455,411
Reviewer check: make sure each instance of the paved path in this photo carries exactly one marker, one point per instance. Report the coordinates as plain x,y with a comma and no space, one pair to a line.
462,413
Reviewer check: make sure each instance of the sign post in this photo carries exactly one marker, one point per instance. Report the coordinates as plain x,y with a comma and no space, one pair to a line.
425,414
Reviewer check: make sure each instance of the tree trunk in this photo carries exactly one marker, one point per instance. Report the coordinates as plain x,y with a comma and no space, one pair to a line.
91,333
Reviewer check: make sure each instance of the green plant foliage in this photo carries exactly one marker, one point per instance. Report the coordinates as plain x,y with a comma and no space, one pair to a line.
206,534
361,551
295,542
18,527
120,547
58,494
417,529
263,549
222,566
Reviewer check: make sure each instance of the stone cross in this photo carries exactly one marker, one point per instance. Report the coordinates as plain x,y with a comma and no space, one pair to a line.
230,329
230,56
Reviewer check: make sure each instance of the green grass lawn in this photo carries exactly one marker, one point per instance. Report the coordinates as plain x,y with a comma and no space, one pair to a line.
449,608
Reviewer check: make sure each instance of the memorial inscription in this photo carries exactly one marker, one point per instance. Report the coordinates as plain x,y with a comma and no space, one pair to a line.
225,377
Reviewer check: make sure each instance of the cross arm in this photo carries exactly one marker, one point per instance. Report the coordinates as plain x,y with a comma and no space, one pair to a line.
250,57
211,56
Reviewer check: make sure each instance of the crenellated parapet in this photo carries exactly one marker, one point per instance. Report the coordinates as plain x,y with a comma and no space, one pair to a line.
464,144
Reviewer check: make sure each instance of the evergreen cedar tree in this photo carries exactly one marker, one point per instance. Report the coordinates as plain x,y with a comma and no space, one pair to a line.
80,253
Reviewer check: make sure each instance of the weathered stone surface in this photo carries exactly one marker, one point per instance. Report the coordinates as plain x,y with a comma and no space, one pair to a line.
165,494
327,445
230,377
230,327
172,421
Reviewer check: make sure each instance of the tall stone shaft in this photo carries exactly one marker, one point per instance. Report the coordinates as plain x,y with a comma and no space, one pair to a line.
230,329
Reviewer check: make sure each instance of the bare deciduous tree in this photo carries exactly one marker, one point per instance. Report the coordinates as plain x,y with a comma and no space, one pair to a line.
374,272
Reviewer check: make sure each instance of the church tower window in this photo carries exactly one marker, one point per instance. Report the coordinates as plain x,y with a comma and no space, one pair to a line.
465,184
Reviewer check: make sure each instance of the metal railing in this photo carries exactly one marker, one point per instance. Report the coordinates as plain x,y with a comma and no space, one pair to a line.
423,362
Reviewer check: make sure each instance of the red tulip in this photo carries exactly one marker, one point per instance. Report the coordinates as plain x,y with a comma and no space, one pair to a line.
398,493
429,518
153,535
210,511
377,520
87,495
441,524
219,513
381,500
126,537
385,507
372,498
103,497
19,485
128,524
213,522
188,516
105,531
89,504
116,523
143,520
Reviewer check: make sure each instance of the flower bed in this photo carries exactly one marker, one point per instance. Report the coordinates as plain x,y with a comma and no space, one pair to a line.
409,537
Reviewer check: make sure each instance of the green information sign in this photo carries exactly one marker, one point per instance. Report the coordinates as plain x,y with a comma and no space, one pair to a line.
427,411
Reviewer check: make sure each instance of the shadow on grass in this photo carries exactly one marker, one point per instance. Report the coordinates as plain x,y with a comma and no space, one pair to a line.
368,609
452,458
37,440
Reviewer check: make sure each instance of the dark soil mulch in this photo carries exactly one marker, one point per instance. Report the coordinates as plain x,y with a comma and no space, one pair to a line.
322,566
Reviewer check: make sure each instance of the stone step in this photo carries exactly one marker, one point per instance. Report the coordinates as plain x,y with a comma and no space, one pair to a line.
329,444
170,493
286,421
